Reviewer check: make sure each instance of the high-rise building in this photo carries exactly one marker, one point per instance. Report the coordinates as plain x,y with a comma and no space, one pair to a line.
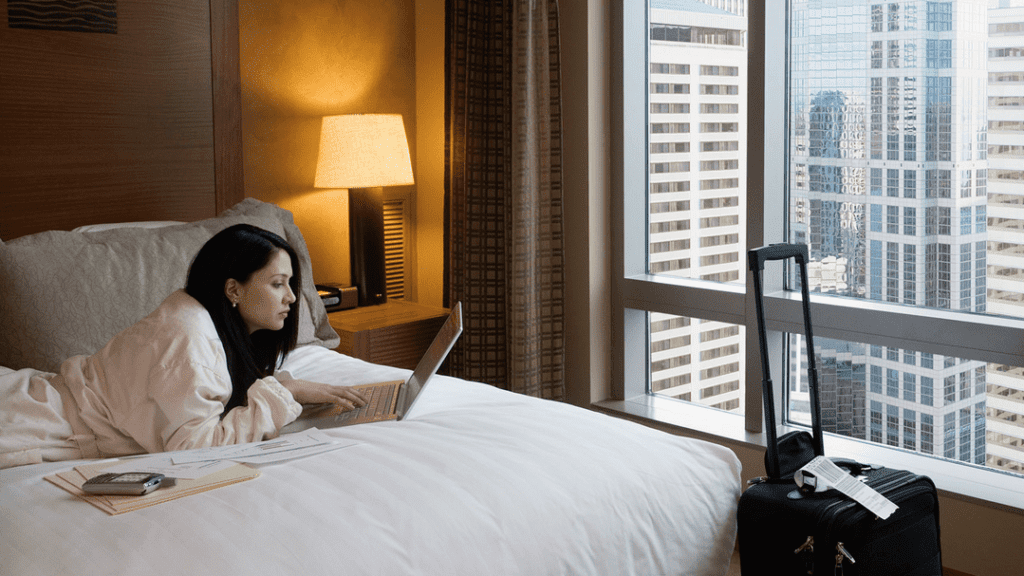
888,167
697,94
1005,401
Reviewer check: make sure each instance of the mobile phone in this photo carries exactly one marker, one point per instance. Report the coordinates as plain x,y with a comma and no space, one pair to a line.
125,483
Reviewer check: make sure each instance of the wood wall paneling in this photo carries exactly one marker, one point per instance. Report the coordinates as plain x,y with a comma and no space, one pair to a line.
227,103
104,127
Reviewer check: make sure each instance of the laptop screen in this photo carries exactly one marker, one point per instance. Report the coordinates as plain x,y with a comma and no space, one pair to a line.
432,359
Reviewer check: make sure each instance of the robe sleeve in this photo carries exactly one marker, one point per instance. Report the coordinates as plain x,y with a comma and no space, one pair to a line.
186,401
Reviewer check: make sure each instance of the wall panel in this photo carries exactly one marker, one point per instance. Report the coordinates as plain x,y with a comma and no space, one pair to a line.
117,126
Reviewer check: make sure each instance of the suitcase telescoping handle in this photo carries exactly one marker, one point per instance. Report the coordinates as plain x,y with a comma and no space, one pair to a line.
756,259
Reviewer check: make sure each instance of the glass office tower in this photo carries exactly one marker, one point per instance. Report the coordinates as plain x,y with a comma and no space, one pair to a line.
888,188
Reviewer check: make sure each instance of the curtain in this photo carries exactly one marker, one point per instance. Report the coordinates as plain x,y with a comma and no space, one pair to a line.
503,193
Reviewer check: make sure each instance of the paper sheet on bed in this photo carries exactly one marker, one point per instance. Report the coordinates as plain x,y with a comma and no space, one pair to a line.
163,464
194,464
284,447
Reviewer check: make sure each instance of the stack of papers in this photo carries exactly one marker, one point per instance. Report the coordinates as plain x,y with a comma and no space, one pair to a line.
194,471
72,480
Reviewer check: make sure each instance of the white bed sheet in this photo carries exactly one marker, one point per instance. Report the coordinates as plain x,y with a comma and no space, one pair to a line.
474,481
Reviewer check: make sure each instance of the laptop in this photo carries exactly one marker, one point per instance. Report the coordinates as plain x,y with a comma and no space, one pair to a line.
387,400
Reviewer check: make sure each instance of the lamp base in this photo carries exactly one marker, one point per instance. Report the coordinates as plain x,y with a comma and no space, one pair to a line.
366,243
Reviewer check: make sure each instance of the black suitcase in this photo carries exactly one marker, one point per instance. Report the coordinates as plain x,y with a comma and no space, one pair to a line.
784,531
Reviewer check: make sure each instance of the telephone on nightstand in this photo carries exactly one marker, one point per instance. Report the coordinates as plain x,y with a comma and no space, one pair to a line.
337,297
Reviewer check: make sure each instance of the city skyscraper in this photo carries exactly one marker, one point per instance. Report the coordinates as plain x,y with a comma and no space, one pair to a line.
697,94
888,170
1005,401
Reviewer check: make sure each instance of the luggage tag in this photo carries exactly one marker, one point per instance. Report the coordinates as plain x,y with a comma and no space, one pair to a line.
820,474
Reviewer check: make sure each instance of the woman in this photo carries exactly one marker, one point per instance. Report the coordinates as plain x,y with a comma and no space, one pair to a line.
200,369
259,329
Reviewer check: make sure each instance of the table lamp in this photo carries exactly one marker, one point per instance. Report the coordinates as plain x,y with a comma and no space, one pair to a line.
364,153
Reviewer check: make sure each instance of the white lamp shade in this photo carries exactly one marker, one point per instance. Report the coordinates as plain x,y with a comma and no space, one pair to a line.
363,151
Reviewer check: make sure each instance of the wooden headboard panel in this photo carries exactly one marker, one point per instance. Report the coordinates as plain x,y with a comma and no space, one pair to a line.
132,112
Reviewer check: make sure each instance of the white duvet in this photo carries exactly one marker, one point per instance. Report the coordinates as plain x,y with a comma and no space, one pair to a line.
475,481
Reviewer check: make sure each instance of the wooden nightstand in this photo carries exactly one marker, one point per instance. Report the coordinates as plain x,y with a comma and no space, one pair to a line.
395,333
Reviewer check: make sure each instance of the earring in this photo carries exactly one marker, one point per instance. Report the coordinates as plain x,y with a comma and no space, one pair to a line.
234,303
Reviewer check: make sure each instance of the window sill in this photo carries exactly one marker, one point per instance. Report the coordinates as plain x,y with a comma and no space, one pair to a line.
973,484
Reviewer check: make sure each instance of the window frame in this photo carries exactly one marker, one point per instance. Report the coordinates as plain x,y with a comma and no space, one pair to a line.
635,293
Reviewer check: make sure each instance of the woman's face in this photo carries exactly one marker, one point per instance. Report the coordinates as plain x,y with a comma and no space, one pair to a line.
265,300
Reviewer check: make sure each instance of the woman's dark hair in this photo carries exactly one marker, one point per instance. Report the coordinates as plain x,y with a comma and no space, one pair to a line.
237,252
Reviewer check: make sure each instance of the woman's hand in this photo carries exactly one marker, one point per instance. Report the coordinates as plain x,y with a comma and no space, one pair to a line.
306,392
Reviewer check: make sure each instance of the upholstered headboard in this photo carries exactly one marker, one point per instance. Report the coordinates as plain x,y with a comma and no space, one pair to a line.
118,111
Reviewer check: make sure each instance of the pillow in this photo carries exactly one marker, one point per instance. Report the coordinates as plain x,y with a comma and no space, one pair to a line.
68,293
116,225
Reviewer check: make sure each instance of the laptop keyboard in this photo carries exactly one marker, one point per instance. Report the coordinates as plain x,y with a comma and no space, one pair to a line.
378,401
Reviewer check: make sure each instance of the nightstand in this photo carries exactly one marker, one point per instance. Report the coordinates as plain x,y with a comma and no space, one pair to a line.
396,333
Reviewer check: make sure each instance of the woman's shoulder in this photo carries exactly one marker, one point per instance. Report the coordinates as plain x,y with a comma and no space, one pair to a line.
178,331
179,312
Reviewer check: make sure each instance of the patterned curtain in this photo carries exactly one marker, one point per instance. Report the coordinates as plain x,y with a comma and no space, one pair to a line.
503,187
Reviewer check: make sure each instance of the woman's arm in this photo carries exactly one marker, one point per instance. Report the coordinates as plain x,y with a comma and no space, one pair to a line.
306,392
186,402
271,403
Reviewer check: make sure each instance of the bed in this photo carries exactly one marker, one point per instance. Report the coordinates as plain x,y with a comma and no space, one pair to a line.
476,480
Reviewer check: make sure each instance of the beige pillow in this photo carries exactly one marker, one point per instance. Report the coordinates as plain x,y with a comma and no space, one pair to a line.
68,293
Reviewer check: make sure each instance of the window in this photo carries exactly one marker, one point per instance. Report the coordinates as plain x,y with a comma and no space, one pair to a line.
669,147
864,173
909,221
909,183
940,16
670,108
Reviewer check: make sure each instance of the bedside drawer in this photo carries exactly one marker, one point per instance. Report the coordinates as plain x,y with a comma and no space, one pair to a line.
396,333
